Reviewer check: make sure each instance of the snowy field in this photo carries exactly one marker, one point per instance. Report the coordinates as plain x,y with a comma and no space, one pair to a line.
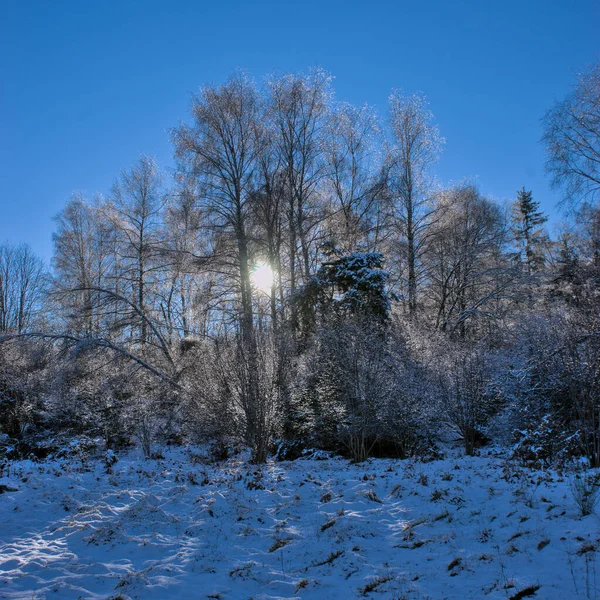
185,528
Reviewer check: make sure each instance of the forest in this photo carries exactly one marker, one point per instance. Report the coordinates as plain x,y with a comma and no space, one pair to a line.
302,281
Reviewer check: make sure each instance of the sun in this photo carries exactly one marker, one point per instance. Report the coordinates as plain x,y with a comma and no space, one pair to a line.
262,277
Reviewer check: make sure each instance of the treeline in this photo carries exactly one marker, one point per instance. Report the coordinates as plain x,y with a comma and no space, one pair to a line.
302,280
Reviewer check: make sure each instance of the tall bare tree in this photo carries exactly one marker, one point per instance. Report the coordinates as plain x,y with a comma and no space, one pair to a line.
353,176
469,270
572,140
83,259
21,287
135,211
298,105
415,146
222,149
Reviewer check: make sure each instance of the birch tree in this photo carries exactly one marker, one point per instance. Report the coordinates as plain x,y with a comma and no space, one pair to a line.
84,252
414,147
353,177
222,149
135,213
21,287
572,140
298,105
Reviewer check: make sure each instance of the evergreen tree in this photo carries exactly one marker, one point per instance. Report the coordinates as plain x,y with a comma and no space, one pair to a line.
527,221
352,285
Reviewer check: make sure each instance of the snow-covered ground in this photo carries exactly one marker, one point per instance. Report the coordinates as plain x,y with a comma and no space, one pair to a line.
184,528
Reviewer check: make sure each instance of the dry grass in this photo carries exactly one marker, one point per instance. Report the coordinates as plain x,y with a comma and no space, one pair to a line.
543,544
371,495
329,523
280,543
332,556
530,590
374,584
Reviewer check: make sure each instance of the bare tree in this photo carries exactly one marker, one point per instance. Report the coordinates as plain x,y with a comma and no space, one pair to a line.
269,215
353,176
297,107
21,287
222,149
84,252
180,296
468,269
572,140
134,212
415,145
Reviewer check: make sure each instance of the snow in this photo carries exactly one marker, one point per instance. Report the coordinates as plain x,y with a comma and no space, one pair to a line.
183,527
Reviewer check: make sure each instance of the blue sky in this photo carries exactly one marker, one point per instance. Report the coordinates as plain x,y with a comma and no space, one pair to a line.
86,87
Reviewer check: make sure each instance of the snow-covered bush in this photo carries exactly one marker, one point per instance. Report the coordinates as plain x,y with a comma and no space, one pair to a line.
216,402
468,397
556,388
544,443
23,370
362,394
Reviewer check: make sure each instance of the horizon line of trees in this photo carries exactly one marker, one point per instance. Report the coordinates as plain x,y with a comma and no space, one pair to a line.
396,304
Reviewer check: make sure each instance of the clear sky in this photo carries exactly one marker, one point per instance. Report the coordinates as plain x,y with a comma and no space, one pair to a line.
86,87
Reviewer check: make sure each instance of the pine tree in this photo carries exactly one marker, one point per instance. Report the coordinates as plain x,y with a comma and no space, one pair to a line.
527,222
352,285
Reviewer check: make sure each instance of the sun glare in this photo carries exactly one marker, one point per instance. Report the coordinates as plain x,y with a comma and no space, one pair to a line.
262,277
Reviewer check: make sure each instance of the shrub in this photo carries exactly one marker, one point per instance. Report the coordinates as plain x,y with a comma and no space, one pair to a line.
585,488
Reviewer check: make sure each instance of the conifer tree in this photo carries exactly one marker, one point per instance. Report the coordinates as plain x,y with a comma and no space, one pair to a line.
527,228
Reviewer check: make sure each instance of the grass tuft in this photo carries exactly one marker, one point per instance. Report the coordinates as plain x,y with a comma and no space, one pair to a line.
543,544
374,584
280,543
530,590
